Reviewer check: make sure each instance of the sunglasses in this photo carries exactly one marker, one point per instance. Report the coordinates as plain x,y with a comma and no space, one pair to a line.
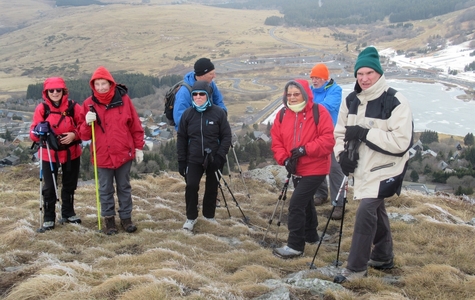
55,90
293,94
194,94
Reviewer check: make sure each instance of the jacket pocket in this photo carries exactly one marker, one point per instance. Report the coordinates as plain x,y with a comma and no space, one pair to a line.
392,185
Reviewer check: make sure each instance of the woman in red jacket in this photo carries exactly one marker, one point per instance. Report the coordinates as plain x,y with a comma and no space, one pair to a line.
119,138
58,120
304,148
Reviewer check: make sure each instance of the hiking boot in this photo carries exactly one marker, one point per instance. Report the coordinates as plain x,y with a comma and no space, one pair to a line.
48,225
128,225
73,219
381,265
189,224
319,200
212,220
286,252
313,242
337,213
348,275
110,225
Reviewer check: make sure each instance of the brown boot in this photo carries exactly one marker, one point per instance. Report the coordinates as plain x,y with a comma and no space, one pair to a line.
128,225
337,213
110,225
319,201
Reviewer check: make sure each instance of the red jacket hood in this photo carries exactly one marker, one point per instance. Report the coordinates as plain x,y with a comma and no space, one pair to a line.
304,88
54,83
102,73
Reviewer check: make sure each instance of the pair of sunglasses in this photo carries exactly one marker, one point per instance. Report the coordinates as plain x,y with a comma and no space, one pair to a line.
194,94
55,90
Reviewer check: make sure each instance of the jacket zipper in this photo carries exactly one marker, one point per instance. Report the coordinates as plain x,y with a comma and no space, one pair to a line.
382,167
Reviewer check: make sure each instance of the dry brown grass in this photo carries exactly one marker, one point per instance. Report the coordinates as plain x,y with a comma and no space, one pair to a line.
433,255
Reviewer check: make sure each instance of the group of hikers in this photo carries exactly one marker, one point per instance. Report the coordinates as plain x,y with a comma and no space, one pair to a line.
317,136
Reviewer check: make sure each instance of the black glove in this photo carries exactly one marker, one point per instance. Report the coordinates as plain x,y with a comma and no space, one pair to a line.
291,165
355,133
298,152
218,162
182,168
347,165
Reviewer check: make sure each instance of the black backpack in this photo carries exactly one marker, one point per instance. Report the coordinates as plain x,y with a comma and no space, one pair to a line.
316,115
170,99
68,112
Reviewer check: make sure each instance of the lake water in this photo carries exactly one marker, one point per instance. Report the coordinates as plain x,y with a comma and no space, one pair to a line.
434,106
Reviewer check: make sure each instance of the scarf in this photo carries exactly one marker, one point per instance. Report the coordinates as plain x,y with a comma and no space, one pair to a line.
297,107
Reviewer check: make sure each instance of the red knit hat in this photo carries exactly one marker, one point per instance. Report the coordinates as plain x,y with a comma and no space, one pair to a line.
320,71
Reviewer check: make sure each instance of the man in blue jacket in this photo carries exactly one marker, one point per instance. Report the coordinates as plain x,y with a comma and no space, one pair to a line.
203,71
329,94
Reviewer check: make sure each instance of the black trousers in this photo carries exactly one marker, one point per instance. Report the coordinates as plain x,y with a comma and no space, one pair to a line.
69,184
302,221
193,178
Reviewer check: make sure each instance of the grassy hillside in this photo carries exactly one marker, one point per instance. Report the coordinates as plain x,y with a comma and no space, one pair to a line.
433,250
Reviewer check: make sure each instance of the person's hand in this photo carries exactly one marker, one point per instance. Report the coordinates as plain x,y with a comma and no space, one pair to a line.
138,156
355,133
291,165
90,117
298,152
218,162
42,128
347,165
182,168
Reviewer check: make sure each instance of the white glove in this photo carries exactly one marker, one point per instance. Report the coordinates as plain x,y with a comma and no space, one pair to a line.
90,117
138,156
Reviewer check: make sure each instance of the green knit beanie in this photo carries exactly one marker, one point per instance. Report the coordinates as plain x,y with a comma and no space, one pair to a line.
369,57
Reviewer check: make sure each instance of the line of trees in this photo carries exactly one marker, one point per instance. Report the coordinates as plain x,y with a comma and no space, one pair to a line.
138,85
312,13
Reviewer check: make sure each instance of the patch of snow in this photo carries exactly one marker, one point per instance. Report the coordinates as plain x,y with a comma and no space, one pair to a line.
453,57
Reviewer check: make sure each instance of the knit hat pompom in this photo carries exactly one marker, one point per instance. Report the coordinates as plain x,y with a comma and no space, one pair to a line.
320,71
203,66
369,58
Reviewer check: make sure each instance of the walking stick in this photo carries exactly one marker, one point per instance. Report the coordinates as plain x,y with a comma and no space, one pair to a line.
244,218
58,208
240,172
282,197
41,230
98,203
222,192
343,183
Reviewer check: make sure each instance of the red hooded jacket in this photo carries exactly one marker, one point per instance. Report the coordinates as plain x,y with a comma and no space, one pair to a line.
67,124
298,129
117,130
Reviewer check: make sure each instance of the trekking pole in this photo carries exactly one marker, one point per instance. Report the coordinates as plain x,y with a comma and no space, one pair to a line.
222,193
282,196
245,219
58,203
345,180
229,170
337,262
98,203
240,172
352,148
41,229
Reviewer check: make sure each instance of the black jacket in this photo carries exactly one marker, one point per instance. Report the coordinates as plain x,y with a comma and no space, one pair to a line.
199,131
